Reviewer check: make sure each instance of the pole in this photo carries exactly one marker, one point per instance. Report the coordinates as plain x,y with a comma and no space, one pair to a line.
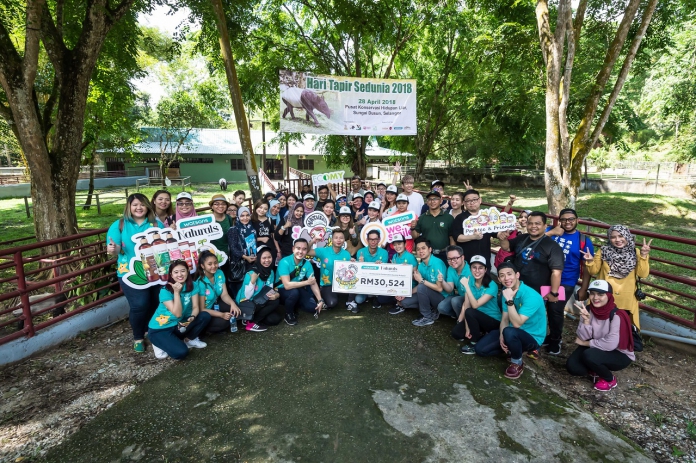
287,160
263,138
657,177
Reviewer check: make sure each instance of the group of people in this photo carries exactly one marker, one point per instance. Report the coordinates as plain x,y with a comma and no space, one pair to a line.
513,303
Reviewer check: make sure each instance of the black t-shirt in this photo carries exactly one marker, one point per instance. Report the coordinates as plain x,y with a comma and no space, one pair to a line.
472,248
536,260
264,229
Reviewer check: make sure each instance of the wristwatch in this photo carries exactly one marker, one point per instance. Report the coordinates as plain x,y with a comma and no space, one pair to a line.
553,294
510,302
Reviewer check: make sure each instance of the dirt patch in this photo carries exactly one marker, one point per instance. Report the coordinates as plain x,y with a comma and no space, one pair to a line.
50,396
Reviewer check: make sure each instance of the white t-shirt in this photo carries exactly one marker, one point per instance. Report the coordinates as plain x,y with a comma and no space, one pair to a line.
415,203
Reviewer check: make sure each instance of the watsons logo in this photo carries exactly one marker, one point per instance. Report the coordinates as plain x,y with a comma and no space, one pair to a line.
196,222
369,267
398,128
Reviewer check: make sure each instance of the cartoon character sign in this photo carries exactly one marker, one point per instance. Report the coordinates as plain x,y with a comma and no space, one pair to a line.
489,221
317,226
347,277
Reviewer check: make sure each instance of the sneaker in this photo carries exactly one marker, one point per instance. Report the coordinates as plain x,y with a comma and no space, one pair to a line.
244,322
604,385
291,319
139,346
554,346
468,349
376,304
594,376
514,371
533,354
256,328
353,307
159,353
197,343
423,321
396,310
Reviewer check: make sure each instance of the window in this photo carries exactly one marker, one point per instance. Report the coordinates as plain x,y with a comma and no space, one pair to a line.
197,160
237,164
305,164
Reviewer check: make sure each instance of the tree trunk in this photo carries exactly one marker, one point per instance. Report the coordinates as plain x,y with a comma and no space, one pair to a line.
237,103
88,202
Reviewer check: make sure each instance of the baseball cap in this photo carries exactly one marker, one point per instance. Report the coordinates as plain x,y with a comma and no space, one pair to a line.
345,210
358,195
392,189
370,192
402,197
398,238
600,286
185,195
480,259
437,182
308,196
374,205
340,197
381,183
433,193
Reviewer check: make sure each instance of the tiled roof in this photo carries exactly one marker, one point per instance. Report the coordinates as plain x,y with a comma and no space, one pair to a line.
225,141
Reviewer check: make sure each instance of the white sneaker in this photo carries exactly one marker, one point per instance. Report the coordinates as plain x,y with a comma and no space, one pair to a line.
197,343
159,353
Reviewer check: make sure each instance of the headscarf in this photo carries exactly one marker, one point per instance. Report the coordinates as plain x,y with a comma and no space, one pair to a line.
274,218
247,229
264,273
621,261
626,328
180,216
602,313
293,220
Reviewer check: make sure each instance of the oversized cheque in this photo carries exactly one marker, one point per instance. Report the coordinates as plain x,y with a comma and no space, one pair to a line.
375,279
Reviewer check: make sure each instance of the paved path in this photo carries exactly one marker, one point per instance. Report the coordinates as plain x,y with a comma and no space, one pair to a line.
347,388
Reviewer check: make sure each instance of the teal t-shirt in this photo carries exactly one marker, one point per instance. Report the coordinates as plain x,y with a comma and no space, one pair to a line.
287,265
257,288
211,291
406,258
124,239
327,257
163,318
453,277
430,271
381,255
530,304
490,308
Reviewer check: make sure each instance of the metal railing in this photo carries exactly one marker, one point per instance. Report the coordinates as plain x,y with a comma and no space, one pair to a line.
672,296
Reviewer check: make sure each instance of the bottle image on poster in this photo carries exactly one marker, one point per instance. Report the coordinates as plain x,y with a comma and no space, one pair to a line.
173,248
159,246
147,255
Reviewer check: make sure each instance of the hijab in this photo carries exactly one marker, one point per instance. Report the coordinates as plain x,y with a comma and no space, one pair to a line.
247,229
264,273
274,218
294,220
626,328
621,261
602,313
180,216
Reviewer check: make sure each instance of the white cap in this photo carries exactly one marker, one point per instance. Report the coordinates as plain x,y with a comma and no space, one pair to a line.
398,238
358,195
402,197
374,205
340,197
600,286
184,195
392,189
480,259
308,196
345,210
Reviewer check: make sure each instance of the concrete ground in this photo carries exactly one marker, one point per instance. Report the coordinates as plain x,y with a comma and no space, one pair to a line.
345,388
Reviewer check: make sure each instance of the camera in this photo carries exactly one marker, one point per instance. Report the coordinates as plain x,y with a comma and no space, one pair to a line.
640,295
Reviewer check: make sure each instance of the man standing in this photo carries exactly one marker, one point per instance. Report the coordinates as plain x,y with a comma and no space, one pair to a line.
400,257
429,292
540,263
327,256
435,226
458,268
573,243
415,200
298,285
355,187
372,253
523,324
438,185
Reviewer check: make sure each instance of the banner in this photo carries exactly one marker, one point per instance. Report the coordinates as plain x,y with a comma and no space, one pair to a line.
375,279
156,248
374,226
325,179
324,104
399,224
316,226
489,221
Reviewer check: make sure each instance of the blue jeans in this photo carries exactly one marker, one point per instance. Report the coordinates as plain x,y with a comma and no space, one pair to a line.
451,305
172,342
143,303
517,341
359,298
426,300
302,298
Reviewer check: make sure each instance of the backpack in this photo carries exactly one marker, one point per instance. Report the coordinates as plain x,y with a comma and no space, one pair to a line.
637,339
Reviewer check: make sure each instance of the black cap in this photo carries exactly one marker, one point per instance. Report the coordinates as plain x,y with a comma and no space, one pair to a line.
433,193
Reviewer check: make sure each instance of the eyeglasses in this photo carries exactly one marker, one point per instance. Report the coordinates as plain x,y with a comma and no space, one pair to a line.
184,203
567,220
215,204
373,239
451,259
471,201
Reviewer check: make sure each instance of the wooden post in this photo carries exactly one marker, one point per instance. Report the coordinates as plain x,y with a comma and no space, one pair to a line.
26,206
98,204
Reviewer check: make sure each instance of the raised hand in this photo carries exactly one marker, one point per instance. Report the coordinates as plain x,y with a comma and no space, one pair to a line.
397,166
467,185
464,281
645,249
288,224
587,255
177,287
584,314
508,294
417,276
513,198
503,235
439,276
111,247
361,258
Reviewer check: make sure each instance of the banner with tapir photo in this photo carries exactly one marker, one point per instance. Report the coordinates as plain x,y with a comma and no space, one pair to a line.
156,248
339,105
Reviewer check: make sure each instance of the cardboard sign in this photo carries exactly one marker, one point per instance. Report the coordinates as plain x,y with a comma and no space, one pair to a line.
316,226
330,177
369,278
489,221
399,224
156,248
374,226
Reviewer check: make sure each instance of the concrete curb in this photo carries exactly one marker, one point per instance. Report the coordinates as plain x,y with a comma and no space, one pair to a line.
20,349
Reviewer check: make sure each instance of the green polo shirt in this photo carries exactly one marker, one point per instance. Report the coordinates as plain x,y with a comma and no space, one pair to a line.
431,270
435,228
